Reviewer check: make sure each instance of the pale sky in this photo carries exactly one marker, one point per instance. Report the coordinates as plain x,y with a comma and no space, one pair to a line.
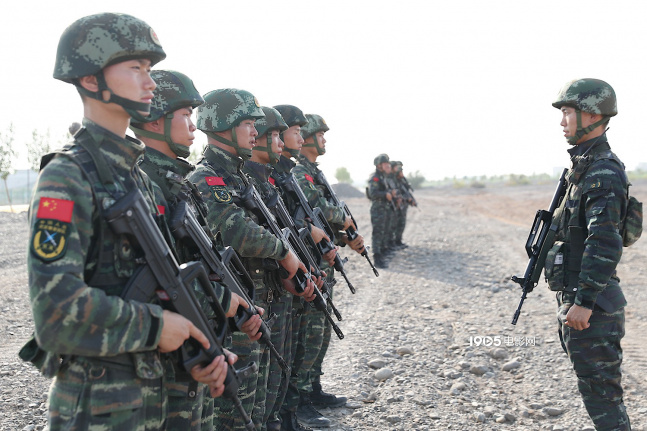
450,88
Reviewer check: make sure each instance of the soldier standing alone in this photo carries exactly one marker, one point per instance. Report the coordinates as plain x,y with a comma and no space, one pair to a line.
581,265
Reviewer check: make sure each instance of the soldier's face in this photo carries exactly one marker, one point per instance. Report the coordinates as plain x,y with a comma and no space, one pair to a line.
386,167
246,134
569,122
182,127
293,138
131,80
277,143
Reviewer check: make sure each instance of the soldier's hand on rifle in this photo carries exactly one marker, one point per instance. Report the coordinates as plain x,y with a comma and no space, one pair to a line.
253,324
307,294
357,244
318,234
389,196
330,256
578,317
235,301
215,373
291,263
348,222
176,329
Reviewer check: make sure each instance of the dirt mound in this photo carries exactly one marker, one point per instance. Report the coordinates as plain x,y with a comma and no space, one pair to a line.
347,191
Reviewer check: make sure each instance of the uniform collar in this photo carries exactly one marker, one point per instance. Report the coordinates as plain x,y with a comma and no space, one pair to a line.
258,170
225,159
588,146
119,152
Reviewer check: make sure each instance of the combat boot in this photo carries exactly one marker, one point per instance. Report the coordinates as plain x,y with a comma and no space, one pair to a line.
379,261
401,245
307,414
289,422
320,398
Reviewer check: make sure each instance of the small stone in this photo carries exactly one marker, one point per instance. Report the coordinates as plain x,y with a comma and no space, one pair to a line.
511,365
536,406
479,417
510,417
376,364
479,370
383,374
404,351
464,364
352,405
393,419
553,411
558,428
498,353
458,387
452,374
488,410
421,402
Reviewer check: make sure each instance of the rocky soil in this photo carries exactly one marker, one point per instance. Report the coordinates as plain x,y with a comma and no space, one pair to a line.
429,344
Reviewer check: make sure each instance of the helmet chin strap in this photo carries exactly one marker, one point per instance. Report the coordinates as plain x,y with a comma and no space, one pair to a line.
178,149
274,158
243,153
580,132
130,106
315,144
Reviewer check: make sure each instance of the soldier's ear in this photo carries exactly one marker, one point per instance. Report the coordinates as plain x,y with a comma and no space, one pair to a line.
89,82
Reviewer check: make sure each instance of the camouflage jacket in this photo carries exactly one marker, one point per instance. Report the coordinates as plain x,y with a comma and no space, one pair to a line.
594,209
171,186
305,171
219,181
281,169
377,187
68,233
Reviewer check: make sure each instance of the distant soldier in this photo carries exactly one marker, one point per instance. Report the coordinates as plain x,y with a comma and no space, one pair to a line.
103,351
168,134
380,194
581,265
403,200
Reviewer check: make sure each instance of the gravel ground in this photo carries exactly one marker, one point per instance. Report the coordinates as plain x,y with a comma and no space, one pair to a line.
429,344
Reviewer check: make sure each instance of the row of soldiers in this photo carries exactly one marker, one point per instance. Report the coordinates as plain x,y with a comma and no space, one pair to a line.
120,363
391,195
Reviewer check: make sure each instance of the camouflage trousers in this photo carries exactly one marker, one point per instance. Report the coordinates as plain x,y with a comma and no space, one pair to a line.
95,394
400,223
187,413
299,326
596,356
277,381
380,220
252,389
317,339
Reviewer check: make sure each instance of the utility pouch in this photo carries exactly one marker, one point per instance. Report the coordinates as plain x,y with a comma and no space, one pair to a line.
555,266
633,224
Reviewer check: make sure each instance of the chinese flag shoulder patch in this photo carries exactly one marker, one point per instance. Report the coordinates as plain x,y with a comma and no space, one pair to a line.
376,179
215,181
55,209
272,181
309,178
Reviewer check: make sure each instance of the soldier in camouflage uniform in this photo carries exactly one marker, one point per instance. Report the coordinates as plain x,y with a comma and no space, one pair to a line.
318,329
403,201
379,192
581,265
227,118
103,351
168,134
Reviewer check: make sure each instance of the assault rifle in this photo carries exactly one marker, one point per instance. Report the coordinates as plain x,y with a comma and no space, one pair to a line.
351,232
303,252
407,191
173,284
250,199
540,240
226,266
288,185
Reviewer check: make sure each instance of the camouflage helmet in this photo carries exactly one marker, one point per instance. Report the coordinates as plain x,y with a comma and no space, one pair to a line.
292,115
93,42
224,110
395,163
588,95
315,124
272,121
593,96
174,91
381,158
